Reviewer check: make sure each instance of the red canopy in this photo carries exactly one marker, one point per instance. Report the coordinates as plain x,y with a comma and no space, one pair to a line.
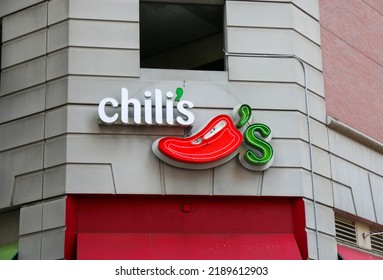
168,246
348,253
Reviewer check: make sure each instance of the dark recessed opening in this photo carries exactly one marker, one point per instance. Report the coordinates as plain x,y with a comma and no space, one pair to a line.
181,36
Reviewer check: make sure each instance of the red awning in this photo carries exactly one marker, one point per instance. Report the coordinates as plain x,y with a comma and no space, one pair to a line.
348,253
187,246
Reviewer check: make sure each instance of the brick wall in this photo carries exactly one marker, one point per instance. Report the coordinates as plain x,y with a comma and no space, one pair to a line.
352,47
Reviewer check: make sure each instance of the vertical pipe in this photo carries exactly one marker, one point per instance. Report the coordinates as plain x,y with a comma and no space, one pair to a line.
292,56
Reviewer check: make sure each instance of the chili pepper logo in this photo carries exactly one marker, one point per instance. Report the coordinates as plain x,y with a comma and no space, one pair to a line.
219,141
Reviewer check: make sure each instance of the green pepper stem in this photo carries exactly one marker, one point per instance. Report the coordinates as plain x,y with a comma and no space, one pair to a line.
244,112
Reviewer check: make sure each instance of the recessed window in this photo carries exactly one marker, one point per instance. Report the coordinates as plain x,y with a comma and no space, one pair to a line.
181,36
345,231
359,235
376,241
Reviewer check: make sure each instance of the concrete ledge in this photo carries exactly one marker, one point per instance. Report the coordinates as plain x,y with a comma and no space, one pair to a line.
354,134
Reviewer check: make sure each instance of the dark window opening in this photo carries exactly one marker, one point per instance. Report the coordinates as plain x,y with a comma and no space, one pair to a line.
376,241
181,36
345,232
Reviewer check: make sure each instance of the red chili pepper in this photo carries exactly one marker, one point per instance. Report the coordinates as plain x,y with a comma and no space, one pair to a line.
218,139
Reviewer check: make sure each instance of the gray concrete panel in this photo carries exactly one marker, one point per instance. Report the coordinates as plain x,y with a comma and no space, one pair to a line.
283,124
31,219
273,41
321,162
127,10
56,122
104,62
286,182
57,93
58,10
23,48
57,64
376,183
278,70
22,22
101,34
52,244
325,218
323,190
54,213
23,75
319,136
272,15
55,151
355,152
353,176
343,198
267,95
28,188
232,178
17,162
130,176
257,95
317,107
22,104
274,96
183,75
321,187
327,246
94,89
290,153
22,132
310,7
90,178
292,125
30,247
183,181
79,178
58,36
54,181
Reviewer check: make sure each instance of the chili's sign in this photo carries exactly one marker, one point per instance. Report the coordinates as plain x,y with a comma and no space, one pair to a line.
220,140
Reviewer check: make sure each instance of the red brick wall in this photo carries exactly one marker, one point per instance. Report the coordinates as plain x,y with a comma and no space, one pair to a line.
352,48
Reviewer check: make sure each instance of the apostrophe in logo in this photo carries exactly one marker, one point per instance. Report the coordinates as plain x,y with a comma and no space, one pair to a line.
179,93
218,142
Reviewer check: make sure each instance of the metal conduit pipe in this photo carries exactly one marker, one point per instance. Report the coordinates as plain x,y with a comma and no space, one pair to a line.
365,234
293,56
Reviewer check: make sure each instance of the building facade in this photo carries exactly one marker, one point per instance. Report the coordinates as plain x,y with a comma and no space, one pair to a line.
90,87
